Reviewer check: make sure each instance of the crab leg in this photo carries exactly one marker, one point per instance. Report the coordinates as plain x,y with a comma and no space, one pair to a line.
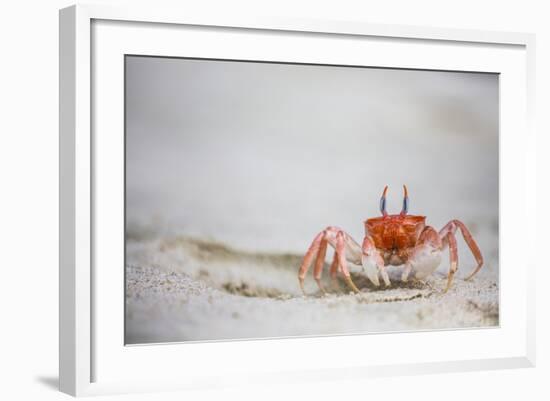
373,263
452,227
341,251
426,256
334,266
308,258
334,271
319,263
453,256
345,249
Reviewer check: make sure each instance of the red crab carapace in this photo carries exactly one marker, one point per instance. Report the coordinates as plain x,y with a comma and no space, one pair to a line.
391,239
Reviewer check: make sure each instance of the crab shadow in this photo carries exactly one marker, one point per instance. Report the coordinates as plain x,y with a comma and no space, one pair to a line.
361,281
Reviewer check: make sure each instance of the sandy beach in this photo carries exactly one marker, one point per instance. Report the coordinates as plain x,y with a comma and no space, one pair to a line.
184,289
232,168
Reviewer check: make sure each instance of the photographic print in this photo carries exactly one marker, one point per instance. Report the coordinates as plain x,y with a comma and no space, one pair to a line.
270,200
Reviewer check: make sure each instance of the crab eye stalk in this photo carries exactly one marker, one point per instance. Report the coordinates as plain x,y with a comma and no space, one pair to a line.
405,208
383,202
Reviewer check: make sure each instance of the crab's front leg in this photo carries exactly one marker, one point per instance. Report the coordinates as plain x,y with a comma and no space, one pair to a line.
317,246
447,235
345,249
342,242
426,256
373,263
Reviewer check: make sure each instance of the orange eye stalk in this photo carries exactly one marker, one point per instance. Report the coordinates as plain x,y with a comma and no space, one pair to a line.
383,202
405,207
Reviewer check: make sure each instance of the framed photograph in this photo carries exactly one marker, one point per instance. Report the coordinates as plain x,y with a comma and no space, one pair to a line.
235,192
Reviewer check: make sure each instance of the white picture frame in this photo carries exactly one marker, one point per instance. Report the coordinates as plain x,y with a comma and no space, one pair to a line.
93,359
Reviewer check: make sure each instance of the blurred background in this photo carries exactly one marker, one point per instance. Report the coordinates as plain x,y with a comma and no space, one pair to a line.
262,156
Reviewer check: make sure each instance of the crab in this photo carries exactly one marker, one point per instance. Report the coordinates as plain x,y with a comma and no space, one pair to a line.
391,239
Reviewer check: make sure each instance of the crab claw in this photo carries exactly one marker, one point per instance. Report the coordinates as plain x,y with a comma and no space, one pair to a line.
371,268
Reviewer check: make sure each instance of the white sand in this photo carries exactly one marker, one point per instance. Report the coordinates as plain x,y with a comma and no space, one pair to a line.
182,289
